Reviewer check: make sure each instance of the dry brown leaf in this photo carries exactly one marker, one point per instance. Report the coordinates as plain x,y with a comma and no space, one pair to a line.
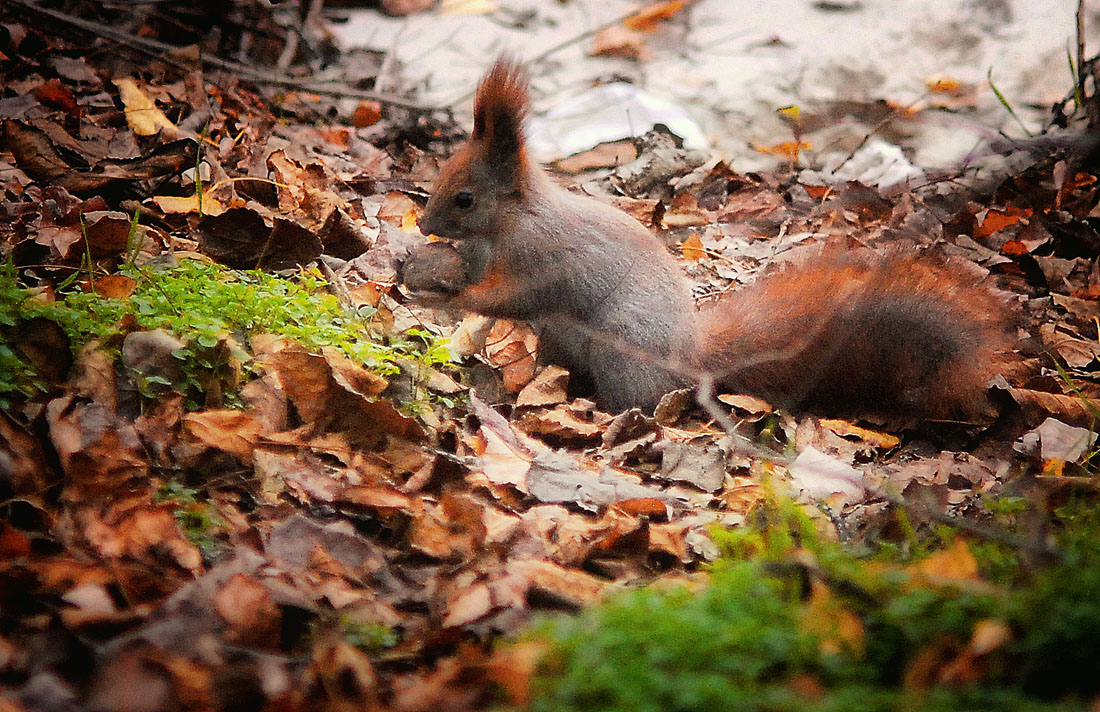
511,348
605,155
396,206
25,460
143,533
99,453
231,431
107,232
249,612
620,41
367,113
469,605
995,220
750,404
561,422
380,497
513,666
884,441
501,463
115,286
989,635
548,388
567,585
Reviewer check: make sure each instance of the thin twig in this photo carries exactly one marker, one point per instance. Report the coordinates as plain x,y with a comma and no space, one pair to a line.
542,56
1081,49
165,51
978,529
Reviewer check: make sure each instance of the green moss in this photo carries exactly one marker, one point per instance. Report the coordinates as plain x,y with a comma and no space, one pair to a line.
214,310
770,619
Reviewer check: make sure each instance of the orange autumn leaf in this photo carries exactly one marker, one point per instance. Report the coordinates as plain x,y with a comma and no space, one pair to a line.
513,666
1054,468
649,18
409,222
692,248
1014,248
838,628
367,113
996,220
873,437
231,431
787,149
1083,179
954,564
943,85
115,286
643,505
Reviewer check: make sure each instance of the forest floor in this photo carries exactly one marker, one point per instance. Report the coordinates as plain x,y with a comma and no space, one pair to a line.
238,470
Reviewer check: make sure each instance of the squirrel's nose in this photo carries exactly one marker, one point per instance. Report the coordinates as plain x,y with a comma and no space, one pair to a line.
425,224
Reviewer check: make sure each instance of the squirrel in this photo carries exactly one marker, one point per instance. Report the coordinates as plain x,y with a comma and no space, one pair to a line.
893,335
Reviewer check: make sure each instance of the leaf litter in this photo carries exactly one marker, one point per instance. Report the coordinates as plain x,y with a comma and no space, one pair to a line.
323,546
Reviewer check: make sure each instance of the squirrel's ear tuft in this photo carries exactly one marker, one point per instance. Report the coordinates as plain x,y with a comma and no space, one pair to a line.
499,111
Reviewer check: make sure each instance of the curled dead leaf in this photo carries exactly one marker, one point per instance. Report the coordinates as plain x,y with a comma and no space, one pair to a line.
231,431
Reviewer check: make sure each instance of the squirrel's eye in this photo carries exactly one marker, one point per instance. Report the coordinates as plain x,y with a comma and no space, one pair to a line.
464,199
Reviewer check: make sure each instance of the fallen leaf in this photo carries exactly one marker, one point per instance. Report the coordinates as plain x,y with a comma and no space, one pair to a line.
561,422
648,19
749,404
547,388
1054,440
884,441
231,431
953,565
692,248
821,477
142,114
115,286
249,612
202,203
367,113
838,629
786,149
620,41
994,220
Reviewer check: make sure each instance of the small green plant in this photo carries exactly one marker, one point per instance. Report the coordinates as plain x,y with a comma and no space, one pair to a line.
423,351
213,310
17,376
368,636
198,520
763,630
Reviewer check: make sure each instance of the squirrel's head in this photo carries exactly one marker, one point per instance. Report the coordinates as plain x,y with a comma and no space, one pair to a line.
476,185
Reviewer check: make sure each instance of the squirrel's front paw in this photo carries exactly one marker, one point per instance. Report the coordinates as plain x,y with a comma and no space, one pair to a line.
433,272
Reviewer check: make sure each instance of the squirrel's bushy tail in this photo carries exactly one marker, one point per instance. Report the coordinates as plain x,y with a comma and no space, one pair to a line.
892,334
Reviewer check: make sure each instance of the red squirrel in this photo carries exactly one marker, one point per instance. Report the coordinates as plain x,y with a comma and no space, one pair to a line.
890,335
